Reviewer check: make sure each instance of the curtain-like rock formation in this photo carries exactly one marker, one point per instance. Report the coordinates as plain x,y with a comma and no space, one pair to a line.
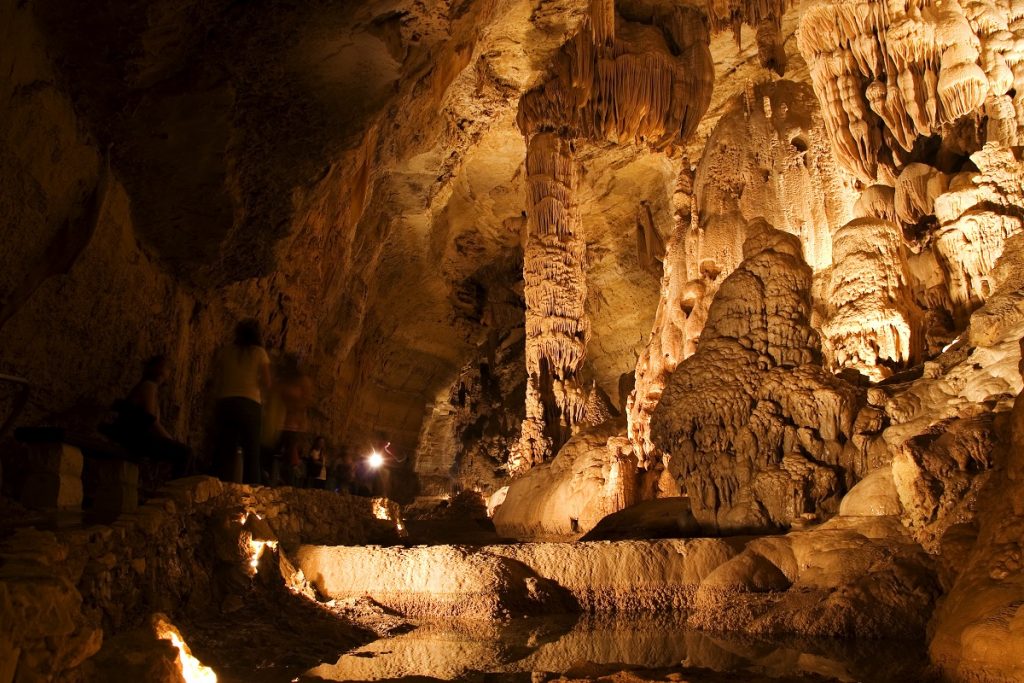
651,84
754,424
889,73
769,157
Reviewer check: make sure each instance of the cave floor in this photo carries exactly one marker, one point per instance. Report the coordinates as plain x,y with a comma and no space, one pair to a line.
279,636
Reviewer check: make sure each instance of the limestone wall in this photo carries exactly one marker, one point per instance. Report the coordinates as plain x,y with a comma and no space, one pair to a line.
63,591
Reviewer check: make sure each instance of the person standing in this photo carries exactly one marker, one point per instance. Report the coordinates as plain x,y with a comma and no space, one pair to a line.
296,391
243,374
317,464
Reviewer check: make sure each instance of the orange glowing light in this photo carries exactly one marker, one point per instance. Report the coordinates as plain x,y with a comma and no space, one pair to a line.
192,670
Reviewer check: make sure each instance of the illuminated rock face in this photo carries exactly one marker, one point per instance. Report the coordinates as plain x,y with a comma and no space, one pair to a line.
754,424
490,227
872,320
887,74
768,157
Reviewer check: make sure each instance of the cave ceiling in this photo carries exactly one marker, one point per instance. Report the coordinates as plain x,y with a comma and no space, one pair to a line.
353,172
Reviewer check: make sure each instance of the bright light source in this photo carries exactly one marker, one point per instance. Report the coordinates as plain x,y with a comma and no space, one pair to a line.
192,670
376,460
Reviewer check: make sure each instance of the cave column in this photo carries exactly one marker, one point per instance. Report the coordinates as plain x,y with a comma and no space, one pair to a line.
557,328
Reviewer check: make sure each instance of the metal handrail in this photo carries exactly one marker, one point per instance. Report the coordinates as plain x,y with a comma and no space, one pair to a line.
20,401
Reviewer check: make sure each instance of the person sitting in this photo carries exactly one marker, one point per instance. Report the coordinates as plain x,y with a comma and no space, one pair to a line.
138,426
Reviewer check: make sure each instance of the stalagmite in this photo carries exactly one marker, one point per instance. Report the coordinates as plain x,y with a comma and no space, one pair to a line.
771,143
673,334
873,322
556,291
603,89
753,422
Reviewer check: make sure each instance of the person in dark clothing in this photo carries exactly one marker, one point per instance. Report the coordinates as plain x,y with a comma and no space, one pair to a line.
138,426
342,473
243,374
316,464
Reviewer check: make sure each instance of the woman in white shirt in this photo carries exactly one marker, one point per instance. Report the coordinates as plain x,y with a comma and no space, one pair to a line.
243,374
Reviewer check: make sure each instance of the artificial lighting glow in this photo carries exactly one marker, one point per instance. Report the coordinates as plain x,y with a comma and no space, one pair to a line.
376,460
948,346
380,509
192,670
256,547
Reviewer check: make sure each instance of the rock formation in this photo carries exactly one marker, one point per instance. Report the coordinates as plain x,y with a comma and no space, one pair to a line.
768,157
762,262
872,321
652,85
754,424
887,75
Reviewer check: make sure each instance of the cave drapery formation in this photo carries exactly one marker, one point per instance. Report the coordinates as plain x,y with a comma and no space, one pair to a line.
604,89
608,269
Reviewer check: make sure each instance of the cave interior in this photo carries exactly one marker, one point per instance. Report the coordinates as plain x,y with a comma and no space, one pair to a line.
511,340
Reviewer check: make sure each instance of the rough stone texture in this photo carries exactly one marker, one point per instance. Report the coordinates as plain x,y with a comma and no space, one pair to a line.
64,591
978,628
861,577
755,426
510,580
588,479
768,157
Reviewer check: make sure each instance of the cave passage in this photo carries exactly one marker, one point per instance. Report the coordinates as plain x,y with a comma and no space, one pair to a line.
547,340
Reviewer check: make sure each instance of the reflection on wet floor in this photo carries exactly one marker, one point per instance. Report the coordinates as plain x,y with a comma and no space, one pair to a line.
457,650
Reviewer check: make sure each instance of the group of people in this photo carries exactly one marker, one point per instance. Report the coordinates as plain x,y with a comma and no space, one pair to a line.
260,430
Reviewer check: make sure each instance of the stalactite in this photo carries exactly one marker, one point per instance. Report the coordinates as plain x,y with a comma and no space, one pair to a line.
625,93
889,73
602,89
557,329
732,14
873,323
602,21
770,49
